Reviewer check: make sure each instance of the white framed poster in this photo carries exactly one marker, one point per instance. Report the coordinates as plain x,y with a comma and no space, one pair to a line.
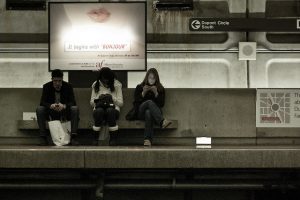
89,36
278,108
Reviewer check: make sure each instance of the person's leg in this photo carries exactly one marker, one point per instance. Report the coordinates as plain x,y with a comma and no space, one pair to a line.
148,134
74,119
73,116
98,115
154,111
145,114
141,111
55,115
42,114
111,118
157,115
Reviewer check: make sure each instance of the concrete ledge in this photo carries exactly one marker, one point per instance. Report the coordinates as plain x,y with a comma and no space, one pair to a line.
35,157
123,124
226,157
278,132
154,158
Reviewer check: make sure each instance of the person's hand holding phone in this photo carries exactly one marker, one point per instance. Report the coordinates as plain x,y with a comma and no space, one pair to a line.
57,107
146,88
60,107
154,90
53,106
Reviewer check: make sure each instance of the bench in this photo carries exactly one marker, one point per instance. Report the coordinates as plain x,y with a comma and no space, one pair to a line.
104,136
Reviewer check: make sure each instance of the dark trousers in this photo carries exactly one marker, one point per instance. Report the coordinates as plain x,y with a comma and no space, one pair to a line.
109,115
151,113
43,114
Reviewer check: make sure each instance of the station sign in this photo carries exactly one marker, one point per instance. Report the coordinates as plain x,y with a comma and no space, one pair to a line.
244,24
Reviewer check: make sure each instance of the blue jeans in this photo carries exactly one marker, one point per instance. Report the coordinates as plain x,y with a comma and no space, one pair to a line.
110,115
44,113
151,113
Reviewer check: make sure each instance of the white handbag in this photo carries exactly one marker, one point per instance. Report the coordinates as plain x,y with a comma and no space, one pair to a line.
60,132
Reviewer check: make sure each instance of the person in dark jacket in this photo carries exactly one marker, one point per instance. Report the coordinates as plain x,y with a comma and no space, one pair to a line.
149,98
57,103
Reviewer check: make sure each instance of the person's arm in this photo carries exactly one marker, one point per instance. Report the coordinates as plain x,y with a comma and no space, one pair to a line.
160,98
138,97
93,97
118,99
44,98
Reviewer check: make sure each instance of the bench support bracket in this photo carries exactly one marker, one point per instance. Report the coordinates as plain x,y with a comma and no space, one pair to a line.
104,137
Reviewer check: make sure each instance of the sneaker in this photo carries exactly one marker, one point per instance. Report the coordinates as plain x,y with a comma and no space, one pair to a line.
96,128
147,143
166,123
113,128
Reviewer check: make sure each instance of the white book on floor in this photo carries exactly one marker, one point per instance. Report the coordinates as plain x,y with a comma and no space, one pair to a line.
203,141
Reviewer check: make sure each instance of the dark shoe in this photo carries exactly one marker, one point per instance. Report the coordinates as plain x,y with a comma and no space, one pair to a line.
43,141
74,141
95,143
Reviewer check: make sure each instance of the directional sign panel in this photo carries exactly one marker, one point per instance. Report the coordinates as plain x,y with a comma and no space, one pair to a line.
244,24
278,108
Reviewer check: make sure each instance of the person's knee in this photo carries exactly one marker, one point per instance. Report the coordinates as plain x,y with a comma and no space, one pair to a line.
150,102
110,111
74,112
147,114
98,111
74,109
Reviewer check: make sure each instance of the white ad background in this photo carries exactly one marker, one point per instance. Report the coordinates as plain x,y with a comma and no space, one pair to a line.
88,36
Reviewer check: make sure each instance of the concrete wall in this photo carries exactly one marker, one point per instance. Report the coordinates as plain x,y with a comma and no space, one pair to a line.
214,113
24,70
226,115
218,67
213,64
195,70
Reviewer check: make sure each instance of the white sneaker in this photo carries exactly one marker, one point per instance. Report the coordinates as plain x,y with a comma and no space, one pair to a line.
96,128
147,143
113,128
166,123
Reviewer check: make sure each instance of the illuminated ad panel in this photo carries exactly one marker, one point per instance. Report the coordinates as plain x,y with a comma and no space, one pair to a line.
88,36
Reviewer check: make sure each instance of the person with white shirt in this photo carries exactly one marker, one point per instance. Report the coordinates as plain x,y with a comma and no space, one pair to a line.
106,100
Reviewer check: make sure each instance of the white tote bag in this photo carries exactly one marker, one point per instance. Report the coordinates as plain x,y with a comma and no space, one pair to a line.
60,132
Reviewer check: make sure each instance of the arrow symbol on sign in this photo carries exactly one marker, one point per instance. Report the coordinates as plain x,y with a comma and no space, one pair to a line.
195,24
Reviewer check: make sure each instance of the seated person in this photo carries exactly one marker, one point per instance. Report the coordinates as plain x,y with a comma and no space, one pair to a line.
57,102
106,100
149,98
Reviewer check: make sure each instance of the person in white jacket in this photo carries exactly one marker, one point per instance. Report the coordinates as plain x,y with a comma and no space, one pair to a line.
106,100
